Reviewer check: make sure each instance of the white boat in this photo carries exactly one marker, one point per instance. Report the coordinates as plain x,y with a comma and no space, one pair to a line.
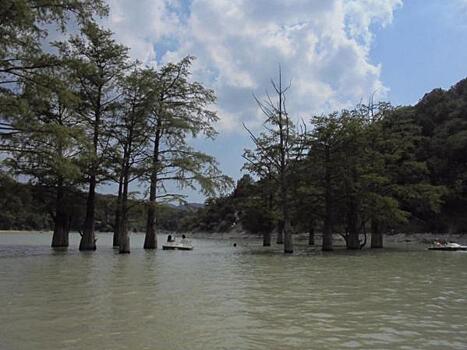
177,245
448,246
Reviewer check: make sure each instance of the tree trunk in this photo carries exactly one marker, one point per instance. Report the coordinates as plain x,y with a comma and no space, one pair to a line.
327,244
284,164
288,238
327,229
280,232
311,235
267,239
88,238
117,223
150,240
61,231
376,235
61,227
352,241
124,239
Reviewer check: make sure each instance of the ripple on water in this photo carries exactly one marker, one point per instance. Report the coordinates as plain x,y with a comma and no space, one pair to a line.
219,297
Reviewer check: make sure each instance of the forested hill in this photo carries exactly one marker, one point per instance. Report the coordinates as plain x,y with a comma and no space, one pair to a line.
28,207
428,149
442,116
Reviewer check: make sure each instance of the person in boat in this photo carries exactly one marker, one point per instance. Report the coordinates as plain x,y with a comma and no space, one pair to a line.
170,238
184,240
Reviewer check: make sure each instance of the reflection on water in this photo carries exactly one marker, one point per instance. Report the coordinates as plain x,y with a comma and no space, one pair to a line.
221,297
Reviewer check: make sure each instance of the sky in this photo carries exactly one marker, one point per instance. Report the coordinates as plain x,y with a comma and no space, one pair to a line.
336,53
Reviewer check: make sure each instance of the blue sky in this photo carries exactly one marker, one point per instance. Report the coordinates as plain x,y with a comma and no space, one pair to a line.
425,47
336,52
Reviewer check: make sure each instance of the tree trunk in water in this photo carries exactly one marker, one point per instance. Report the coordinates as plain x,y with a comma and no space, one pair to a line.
116,236
326,244
61,231
280,232
311,236
150,240
88,238
288,238
61,227
124,247
117,223
124,239
352,240
376,236
266,239
327,237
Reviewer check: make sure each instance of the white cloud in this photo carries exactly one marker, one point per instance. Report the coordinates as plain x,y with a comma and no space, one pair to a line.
142,24
322,45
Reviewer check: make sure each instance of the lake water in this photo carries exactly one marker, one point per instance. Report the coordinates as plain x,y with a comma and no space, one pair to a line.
223,297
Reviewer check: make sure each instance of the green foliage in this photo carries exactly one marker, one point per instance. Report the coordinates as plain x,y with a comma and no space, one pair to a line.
20,207
47,140
180,109
442,118
24,26
97,63
218,215
370,153
257,219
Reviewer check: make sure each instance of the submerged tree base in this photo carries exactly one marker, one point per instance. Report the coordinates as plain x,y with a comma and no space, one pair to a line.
327,241
124,247
60,240
87,248
267,239
288,243
115,240
150,241
88,242
376,240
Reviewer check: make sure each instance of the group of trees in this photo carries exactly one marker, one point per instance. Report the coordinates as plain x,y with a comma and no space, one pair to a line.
79,112
357,172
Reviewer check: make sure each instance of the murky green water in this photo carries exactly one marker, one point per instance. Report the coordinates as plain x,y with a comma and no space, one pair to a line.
221,297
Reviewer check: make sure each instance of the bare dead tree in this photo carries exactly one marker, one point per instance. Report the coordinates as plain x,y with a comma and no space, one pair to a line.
280,146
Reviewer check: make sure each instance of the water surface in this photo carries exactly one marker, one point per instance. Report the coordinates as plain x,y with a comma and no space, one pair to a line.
223,297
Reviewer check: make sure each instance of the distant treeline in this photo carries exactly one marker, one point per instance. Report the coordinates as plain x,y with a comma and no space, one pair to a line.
30,207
